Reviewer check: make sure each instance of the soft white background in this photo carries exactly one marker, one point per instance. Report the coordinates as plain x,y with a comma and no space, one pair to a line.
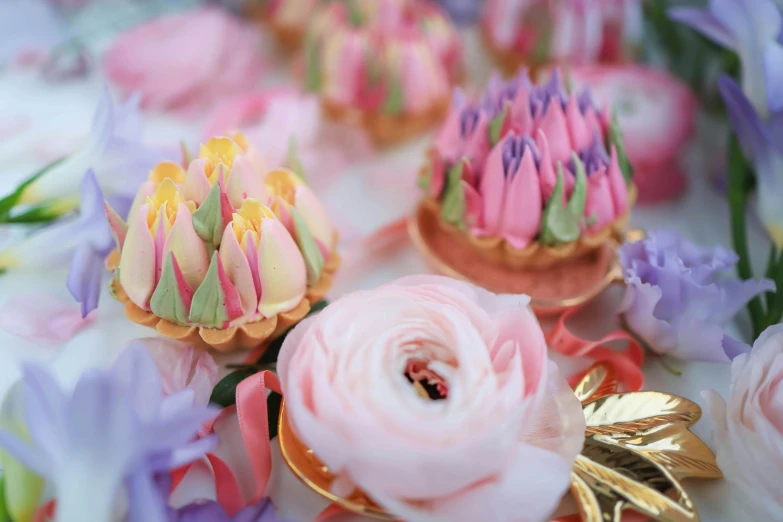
60,118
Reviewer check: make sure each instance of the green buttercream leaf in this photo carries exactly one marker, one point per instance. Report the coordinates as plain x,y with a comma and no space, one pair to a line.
496,125
559,224
208,307
394,97
292,160
354,13
312,65
576,205
425,179
615,137
314,260
166,301
452,210
208,218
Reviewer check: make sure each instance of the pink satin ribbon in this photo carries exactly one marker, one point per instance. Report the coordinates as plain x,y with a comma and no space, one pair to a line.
627,363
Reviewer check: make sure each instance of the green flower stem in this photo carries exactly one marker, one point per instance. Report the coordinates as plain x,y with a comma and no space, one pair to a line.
738,196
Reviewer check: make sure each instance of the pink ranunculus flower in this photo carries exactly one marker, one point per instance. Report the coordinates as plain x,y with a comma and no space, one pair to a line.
748,434
437,399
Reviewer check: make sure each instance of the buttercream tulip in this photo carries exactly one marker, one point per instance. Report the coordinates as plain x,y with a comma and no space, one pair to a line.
748,434
187,247
618,185
599,206
288,189
137,261
221,160
510,192
281,270
148,242
578,129
437,399
554,126
239,246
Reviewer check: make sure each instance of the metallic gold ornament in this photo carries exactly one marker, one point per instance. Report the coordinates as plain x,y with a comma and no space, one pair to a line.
637,449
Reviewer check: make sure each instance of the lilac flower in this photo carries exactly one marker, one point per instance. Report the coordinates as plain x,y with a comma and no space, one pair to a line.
84,238
115,429
762,143
752,29
211,511
113,151
676,301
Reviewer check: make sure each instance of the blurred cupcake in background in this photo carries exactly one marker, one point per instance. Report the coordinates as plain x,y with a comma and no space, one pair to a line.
538,32
286,18
387,66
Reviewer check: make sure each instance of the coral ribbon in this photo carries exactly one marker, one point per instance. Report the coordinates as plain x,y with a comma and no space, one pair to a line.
252,416
627,363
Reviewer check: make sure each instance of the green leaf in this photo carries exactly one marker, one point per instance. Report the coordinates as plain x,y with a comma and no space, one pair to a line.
394,97
208,218
43,213
314,260
224,393
10,201
737,196
616,138
497,123
273,403
576,205
166,301
453,209
4,515
559,224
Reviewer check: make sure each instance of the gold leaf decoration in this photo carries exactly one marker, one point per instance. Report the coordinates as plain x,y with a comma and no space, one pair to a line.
638,447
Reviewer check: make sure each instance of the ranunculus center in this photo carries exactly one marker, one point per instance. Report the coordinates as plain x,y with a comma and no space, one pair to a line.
428,383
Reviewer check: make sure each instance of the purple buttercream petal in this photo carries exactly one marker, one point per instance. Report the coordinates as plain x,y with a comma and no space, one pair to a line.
205,511
704,22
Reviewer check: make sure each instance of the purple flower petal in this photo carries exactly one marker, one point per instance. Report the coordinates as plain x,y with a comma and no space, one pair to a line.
704,22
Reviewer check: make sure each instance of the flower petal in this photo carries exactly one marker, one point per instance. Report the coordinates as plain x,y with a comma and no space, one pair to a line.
42,318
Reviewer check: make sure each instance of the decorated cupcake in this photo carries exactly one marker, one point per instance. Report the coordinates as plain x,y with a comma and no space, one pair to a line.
537,32
386,65
530,177
218,253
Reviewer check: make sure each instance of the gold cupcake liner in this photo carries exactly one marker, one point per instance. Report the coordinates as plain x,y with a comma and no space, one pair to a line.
240,337
537,256
386,130
289,37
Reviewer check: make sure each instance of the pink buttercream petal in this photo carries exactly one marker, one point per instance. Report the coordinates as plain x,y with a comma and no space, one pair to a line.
238,270
42,318
188,247
546,167
493,188
281,270
522,205
581,134
196,186
314,215
554,126
244,182
138,260
599,205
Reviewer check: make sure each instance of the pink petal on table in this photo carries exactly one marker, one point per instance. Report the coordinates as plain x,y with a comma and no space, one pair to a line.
183,366
40,317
